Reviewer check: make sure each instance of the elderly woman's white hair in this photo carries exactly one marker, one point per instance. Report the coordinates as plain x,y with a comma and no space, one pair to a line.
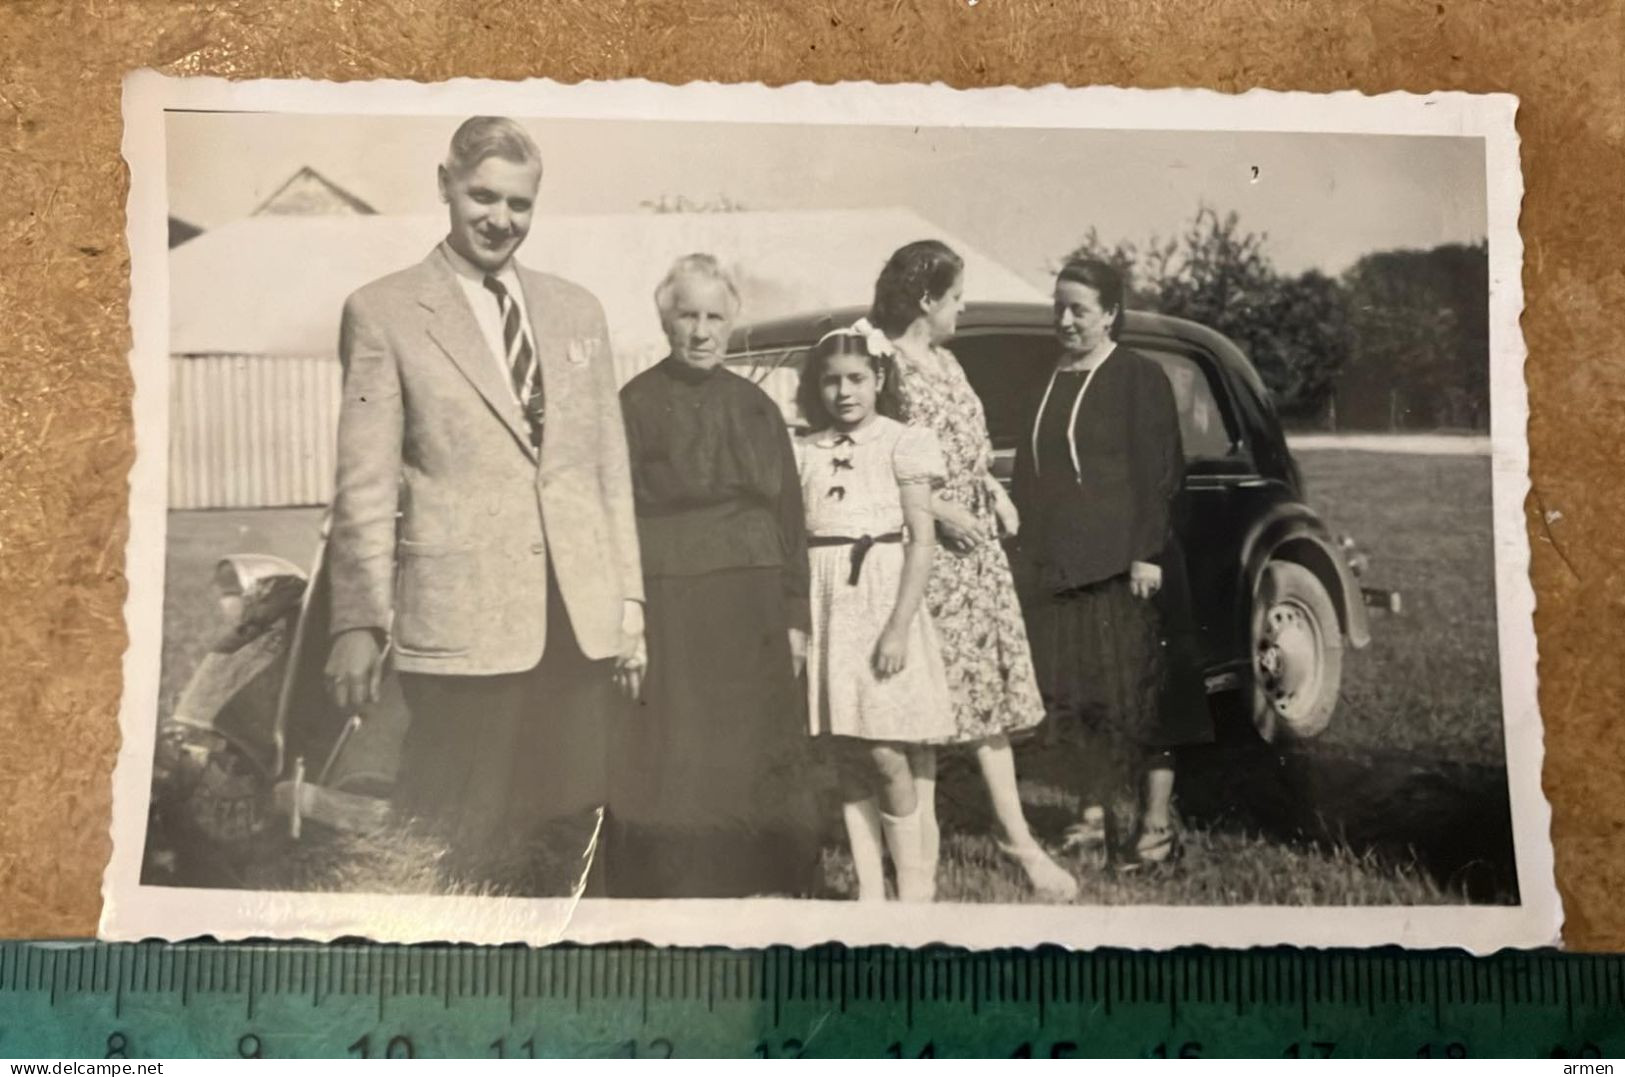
705,266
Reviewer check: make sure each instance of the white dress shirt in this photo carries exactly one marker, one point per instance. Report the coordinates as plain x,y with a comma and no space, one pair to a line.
486,311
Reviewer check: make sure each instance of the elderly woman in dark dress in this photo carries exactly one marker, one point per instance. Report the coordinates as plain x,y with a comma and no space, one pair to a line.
1097,480
709,791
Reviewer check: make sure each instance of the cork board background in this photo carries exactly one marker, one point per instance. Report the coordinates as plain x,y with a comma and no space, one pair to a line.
65,435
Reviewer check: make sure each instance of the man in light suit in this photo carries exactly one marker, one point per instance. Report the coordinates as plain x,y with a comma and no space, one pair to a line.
483,529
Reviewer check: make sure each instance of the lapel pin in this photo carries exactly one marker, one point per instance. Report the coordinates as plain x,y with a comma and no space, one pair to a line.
581,351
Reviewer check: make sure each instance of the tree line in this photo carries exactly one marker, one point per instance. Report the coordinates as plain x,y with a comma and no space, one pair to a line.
1400,340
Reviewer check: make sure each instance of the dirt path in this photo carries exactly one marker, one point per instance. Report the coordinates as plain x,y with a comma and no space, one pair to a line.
1412,444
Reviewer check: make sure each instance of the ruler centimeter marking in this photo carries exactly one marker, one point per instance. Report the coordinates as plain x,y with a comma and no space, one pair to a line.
924,1001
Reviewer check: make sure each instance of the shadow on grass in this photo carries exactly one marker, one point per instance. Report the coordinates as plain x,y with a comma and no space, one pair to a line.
1393,810
1453,820
1314,825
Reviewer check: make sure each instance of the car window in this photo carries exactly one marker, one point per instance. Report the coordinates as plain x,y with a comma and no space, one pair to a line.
778,373
1202,425
1008,370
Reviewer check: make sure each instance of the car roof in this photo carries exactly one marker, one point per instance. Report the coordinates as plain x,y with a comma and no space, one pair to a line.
1141,327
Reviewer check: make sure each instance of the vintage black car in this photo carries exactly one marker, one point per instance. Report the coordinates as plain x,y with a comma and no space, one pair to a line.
254,739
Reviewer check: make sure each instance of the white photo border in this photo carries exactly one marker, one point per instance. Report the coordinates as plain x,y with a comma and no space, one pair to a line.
135,911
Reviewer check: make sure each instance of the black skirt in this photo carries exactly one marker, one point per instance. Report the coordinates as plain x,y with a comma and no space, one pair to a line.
712,774
1107,668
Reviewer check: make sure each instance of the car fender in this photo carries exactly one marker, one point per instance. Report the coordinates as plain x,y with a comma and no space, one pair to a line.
215,758
1291,531
233,694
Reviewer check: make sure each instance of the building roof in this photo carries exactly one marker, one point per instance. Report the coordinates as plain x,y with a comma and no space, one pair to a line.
180,231
307,193
275,285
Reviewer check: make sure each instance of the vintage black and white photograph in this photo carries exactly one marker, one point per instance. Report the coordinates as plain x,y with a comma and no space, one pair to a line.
879,514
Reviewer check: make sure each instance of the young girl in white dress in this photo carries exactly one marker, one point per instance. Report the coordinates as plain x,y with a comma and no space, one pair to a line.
874,667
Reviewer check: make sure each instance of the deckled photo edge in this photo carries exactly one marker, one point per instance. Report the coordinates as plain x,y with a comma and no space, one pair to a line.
134,911
1515,594
143,153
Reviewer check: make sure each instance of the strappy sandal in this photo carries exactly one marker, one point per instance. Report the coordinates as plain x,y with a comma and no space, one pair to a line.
1157,845
1088,834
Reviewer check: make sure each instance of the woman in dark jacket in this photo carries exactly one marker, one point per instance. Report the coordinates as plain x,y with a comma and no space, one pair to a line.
1097,480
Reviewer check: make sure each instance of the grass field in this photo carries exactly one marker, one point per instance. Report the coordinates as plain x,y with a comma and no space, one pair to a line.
1401,802
1429,682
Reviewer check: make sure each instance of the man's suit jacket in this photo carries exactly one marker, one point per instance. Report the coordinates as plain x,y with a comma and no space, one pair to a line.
443,523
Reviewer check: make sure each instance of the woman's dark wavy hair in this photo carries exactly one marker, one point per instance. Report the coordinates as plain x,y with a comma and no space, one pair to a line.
1106,281
925,269
811,402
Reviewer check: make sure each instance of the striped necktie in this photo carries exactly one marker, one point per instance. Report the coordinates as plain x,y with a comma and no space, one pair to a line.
524,372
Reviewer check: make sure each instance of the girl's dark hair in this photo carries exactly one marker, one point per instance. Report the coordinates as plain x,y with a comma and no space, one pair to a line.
1106,281
925,269
811,401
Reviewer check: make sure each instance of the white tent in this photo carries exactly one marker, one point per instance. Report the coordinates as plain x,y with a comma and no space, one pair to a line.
255,304
274,285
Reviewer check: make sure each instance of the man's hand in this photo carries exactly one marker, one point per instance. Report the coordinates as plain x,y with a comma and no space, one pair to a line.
1144,579
355,669
798,651
633,660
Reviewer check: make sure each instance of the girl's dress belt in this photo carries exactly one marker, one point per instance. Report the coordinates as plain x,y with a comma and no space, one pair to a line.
860,547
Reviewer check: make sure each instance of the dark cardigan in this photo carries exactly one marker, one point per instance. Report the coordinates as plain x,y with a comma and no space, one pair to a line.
1090,523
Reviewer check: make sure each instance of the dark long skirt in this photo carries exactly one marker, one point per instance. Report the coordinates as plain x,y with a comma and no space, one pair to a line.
711,791
1115,683
509,770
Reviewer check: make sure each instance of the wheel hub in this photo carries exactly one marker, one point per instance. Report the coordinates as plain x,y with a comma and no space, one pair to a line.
1289,657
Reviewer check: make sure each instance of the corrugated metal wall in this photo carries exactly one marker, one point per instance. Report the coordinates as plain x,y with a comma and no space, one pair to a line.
258,431
251,431
630,362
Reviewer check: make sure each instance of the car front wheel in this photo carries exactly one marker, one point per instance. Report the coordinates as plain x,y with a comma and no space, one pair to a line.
1297,653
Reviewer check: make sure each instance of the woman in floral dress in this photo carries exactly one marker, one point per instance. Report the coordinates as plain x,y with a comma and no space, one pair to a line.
972,595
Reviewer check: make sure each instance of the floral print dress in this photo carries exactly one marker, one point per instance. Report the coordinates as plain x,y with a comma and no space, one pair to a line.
972,596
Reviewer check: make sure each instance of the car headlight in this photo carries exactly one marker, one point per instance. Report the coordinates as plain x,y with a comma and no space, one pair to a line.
255,590
228,592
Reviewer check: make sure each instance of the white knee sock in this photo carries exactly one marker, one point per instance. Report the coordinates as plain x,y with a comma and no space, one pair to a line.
903,841
862,819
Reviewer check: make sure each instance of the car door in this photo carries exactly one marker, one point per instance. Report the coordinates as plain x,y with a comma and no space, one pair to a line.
1222,486
1007,368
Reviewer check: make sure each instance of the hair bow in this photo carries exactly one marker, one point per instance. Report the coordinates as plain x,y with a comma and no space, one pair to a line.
875,342
874,339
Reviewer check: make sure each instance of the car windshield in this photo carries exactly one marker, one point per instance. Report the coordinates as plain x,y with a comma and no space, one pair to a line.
778,373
